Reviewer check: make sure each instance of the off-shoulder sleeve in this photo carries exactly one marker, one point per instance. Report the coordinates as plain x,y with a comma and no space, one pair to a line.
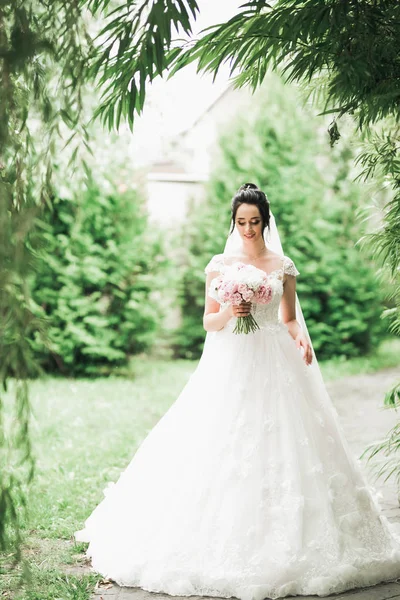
215,264
289,267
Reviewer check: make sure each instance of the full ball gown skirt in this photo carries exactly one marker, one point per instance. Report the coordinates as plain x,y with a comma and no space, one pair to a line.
246,487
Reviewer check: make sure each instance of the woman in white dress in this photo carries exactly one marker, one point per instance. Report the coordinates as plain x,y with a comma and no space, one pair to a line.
246,486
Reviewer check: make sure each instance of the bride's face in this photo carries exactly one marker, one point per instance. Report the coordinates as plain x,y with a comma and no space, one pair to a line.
248,222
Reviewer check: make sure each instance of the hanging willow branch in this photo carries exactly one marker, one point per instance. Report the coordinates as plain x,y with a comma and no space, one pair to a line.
43,54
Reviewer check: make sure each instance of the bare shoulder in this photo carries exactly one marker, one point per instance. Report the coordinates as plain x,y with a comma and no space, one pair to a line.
275,255
272,261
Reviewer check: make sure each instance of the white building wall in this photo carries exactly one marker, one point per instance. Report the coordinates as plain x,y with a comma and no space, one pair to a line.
193,153
169,195
200,142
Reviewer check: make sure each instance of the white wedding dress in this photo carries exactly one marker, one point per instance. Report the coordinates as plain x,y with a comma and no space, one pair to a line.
246,487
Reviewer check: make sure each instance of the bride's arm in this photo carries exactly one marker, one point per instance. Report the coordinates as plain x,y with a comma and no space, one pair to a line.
288,306
214,319
288,311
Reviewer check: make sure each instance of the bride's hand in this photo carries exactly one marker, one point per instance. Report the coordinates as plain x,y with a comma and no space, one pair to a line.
302,342
242,310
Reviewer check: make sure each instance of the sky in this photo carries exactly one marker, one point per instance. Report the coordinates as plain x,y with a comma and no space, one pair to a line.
172,106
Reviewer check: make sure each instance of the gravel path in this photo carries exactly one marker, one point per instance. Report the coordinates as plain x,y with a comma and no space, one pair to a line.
359,402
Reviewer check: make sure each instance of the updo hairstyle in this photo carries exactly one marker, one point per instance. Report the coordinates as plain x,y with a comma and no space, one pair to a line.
249,193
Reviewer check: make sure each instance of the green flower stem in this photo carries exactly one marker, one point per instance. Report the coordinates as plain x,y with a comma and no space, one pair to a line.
246,324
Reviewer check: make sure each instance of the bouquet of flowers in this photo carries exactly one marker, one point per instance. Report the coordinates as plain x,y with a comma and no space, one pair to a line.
242,283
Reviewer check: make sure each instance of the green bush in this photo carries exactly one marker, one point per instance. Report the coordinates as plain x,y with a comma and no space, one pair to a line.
94,284
277,147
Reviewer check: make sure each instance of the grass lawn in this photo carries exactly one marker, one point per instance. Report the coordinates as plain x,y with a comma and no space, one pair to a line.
84,433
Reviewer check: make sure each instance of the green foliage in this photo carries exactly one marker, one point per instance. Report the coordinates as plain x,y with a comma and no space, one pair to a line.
17,244
277,148
95,283
380,160
349,49
355,42
43,49
143,34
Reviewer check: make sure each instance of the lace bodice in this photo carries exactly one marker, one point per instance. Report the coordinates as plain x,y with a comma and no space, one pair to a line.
266,315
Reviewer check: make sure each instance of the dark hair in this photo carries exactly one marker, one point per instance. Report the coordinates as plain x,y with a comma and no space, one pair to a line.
249,193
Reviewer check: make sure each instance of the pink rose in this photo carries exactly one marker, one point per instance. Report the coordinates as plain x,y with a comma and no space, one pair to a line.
248,295
236,299
225,291
246,292
223,295
264,294
232,287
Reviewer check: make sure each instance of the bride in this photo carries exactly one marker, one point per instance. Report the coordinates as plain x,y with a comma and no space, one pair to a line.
246,486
